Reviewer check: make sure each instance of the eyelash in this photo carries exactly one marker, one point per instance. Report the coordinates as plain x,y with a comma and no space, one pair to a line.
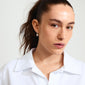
54,25
69,27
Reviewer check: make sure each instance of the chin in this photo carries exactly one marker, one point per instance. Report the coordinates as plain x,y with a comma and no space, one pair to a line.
58,51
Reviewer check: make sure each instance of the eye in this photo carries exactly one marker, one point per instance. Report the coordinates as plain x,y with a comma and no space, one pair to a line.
69,27
54,25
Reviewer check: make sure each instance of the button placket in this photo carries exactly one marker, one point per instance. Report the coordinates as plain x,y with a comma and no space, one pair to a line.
51,79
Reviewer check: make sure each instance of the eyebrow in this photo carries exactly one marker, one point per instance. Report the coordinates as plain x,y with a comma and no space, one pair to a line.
60,21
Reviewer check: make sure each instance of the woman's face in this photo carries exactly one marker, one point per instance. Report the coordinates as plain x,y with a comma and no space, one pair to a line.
55,29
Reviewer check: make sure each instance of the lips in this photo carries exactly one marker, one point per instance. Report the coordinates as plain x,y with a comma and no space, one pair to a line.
59,45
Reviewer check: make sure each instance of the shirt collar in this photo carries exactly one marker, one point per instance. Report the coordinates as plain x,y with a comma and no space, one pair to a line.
71,65
25,62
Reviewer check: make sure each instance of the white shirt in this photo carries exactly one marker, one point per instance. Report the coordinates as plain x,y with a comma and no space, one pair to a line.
23,71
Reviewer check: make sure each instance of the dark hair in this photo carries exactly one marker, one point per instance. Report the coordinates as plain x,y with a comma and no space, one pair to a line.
29,38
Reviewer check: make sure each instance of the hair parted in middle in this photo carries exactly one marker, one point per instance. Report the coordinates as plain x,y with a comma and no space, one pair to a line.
29,38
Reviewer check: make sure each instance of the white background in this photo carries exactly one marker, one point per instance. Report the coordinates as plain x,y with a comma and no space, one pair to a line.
13,13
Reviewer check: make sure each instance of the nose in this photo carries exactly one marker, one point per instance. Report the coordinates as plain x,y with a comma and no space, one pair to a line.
61,34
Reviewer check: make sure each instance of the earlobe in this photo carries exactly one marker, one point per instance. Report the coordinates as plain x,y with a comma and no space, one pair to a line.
35,25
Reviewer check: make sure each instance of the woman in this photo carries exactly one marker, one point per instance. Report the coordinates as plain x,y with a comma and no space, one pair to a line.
45,34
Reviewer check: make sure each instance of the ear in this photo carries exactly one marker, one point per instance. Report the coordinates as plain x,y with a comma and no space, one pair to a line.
35,25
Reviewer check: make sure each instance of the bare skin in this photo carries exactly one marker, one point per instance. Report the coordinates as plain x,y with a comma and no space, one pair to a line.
48,65
56,27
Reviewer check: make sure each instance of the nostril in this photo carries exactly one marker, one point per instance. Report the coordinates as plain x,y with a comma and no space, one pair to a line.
60,38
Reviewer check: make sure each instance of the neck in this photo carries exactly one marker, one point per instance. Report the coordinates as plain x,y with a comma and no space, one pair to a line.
42,56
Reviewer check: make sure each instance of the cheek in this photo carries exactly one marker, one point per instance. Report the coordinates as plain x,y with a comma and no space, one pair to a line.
46,34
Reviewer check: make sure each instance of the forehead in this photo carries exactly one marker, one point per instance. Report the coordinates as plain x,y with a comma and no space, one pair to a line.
61,12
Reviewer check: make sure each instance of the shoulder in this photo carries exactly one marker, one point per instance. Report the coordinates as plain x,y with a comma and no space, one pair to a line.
6,70
83,68
17,64
73,65
15,67
78,63
80,66
8,67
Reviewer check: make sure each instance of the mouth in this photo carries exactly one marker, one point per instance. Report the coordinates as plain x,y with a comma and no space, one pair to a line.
59,45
